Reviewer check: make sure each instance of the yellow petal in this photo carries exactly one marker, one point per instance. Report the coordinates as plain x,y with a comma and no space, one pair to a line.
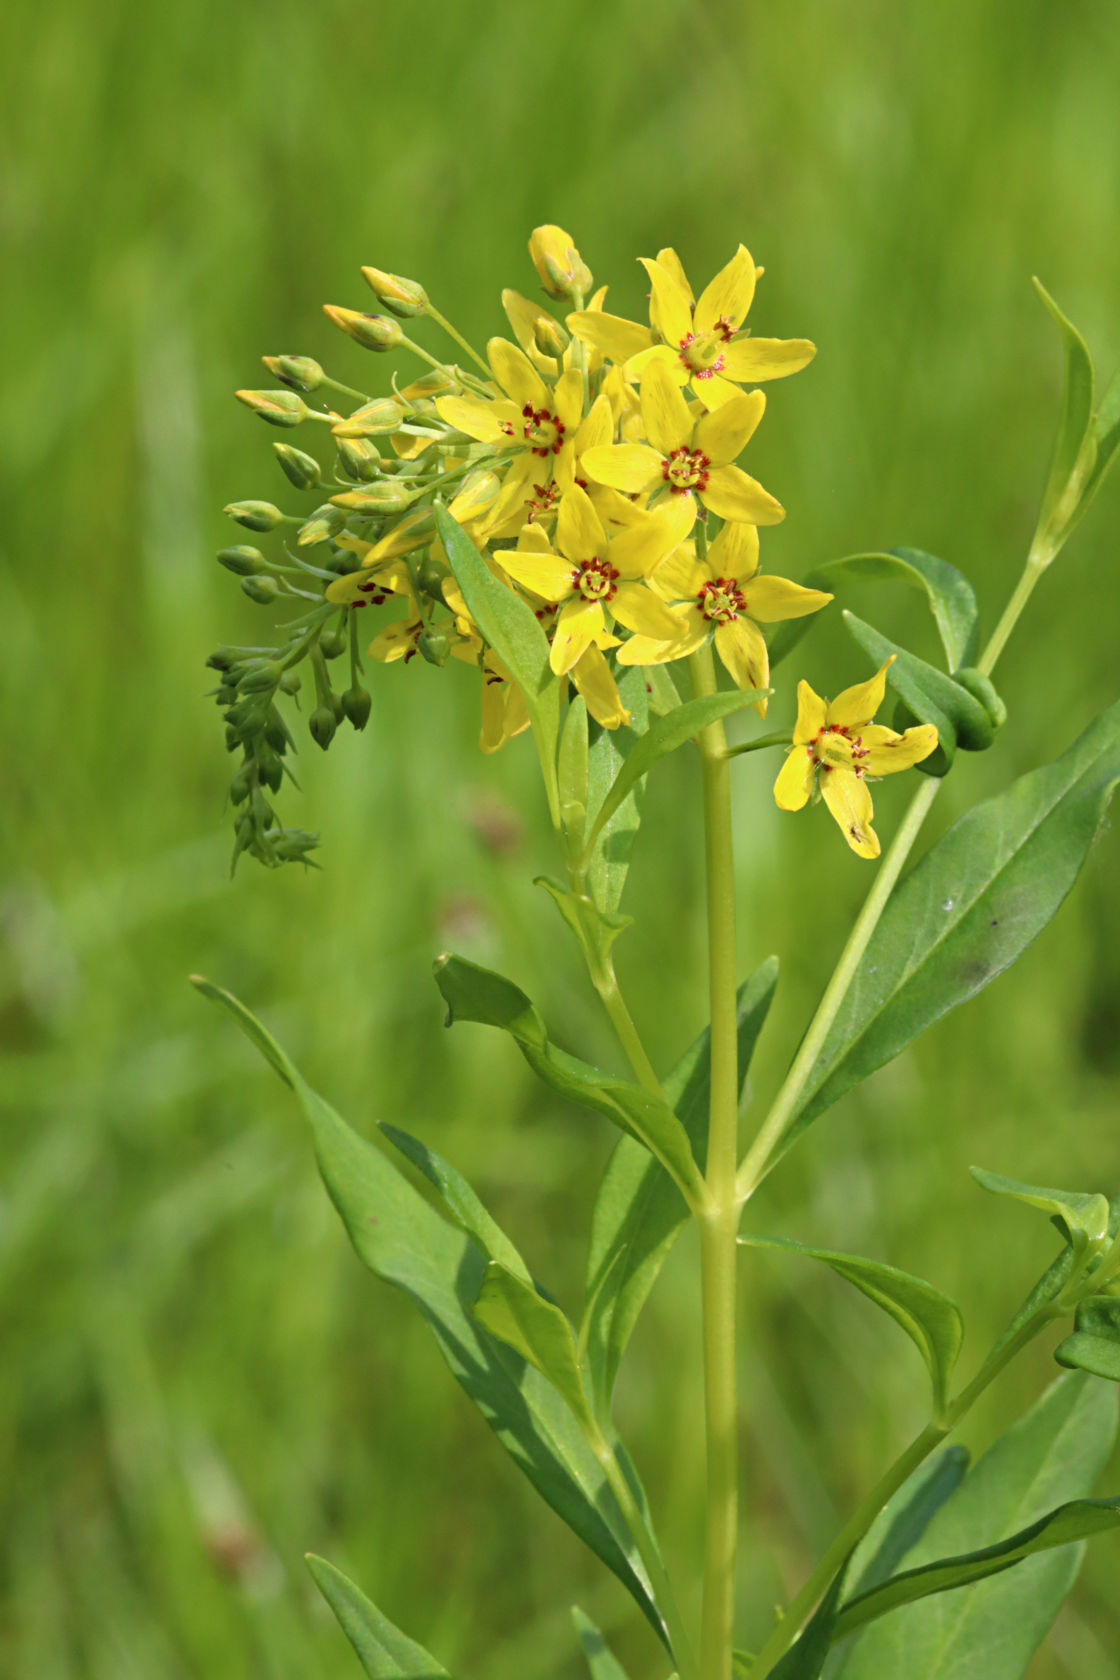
615,337
546,575
857,705
728,297
654,650
849,799
771,599
577,627
680,577
479,419
664,411
516,374
734,553
714,392
592,677
733,495
396,641
812,714
636,551
670,261
637,365
670,304
598,427
740,645
630,467
579,535
725,433
795,780
887,751
413,531
640,609
567,399
753,359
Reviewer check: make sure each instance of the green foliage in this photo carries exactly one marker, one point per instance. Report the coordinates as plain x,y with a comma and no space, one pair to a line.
930,696
806,1659
989,1630
512,1310
1095,1343
930,1319
1083,1216
1073,427
383,1650
459,1199
967,910
601,1662
610,748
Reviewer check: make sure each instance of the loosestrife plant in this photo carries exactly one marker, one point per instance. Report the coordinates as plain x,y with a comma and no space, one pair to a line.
567,515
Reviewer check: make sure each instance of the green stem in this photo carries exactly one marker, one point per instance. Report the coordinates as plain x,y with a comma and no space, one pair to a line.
344,390
1037,563
888,1485
606,984
452,332
719,1218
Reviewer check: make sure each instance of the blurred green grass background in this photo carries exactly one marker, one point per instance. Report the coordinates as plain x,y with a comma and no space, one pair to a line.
201,1382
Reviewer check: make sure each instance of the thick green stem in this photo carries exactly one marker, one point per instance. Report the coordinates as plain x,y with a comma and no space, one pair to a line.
719,1219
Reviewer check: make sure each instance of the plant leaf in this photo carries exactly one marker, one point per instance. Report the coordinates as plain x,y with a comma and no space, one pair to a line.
1077,410
930,1319
988,1631
383,1650
663,736
1084,1215
512,1310
460,1200
604,1665
1106,435
477,994
612,851
957,715
639,1212
405,1242
1095,1343
805,1660
1052,1281
512,629
573,769
967,910
951,598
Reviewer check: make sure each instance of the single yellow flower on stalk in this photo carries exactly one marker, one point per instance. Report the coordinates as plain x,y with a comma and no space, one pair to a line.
726,597
836,747
595,579
699,340
689,454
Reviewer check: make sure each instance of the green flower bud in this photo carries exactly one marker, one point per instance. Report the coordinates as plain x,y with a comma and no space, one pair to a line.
302,373
255,516
549,336
224,658
242,560
358,458
433,646
261,678
332,643
382,497
290,683
356,705
322,725
301,470
262,590
402,297
233,738
374,419
977,737
241,786
270,768
431,576
275,733
279,408
373,332
291,845
325,522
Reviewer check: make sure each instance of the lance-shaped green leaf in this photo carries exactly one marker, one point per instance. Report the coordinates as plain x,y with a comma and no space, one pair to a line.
477,994
1083,1215
602,1662
614,847
990,1629
383,1650
806,1659
1079,1520
1073,427
572,770
1095,1343
664,736
404,1241
1106,438
639,1212
950,597
930,1319
1052,1282
512,629
460,1200
511,1309
967,910
933,697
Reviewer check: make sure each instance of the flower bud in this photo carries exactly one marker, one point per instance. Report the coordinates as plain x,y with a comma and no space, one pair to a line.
301,373
375,419
262,590
261,678
224,658
241,786
433,646
358,458
356,705
279,408
403,297
300,469
233,738
430,578
270,768
332,643
322,725
373,332
323,523
242,560
382,497
290,682
549,336
477,492
255,516
563,272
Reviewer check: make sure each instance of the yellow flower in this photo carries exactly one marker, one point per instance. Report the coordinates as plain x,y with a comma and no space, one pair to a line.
836,747
562,270
691,458
595,579
699,340
725,596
